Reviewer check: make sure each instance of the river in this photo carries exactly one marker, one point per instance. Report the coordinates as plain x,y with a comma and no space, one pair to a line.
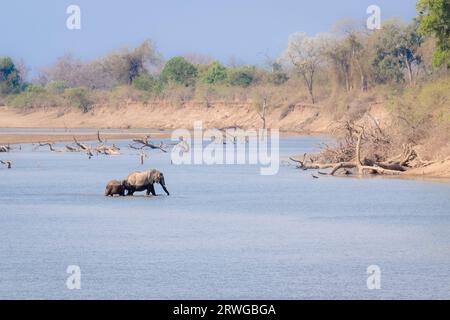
225,232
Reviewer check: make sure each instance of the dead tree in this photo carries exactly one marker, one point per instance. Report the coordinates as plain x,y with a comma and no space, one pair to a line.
6,148
84,148
142,156
139,144
107,150
50,147
262,111
98,137
347,157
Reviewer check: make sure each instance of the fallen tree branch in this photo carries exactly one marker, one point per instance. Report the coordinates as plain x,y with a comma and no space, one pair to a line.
139,144
6,148
51,147
8,164
84,148
354,139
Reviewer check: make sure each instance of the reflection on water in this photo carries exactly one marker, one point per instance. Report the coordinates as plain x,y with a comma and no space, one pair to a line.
224,232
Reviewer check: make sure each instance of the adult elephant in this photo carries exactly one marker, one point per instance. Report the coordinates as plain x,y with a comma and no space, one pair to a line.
140,181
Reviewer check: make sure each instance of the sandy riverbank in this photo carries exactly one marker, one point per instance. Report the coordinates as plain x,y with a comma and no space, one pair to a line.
305,119
34,137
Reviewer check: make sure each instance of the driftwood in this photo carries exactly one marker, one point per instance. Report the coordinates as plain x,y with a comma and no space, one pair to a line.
348,153
98,149
50,147
140,144
8,164
6,148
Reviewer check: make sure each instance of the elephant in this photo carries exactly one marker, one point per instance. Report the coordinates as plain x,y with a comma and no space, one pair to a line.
115,187
140,181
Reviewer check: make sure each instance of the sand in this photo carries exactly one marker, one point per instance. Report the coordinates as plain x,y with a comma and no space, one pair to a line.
166,116
14,137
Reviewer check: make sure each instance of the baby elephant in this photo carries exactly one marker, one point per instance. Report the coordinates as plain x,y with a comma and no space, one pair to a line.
115,187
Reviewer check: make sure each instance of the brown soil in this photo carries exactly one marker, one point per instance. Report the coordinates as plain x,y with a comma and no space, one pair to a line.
306,119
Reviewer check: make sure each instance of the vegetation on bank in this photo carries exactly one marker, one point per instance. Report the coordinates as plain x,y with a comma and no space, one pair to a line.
407,65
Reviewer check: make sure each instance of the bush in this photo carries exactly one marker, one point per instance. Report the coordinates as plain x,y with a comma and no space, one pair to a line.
242,77
277,77
56,86
422,109
216,73
34,97
79,97
179,71
146,82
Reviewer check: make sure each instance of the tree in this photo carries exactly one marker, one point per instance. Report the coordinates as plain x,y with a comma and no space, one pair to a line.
179,71
10,79
396,52
127,65
216,73
359,56
409,42
340,53
305,55
276,75
435,20
75,73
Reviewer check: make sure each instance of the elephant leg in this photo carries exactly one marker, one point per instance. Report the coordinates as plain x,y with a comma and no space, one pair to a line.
151,188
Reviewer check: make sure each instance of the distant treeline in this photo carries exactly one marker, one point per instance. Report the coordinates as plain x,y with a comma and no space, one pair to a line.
349,58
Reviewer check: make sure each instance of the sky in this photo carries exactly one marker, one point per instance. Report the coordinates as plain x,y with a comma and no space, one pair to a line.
244,30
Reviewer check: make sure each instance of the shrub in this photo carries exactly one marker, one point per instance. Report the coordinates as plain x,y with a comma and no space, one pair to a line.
277,77
34,97
179,71
146,82
242,77
56,86
79,97
216,73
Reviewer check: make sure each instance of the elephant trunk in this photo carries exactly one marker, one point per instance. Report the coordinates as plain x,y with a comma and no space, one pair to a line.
165,190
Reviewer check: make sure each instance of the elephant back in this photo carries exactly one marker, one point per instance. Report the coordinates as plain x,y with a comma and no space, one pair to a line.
138,178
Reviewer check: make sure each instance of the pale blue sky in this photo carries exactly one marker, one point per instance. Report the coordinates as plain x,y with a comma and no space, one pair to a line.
36,32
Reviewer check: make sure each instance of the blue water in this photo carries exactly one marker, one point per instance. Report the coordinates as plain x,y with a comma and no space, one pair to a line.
225,232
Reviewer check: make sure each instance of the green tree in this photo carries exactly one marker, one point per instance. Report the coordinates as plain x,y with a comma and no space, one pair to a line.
396,52
9,76
242,77
435,20
179,71
216,73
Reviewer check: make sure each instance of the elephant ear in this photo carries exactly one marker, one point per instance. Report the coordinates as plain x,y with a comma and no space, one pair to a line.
151,176
155,176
